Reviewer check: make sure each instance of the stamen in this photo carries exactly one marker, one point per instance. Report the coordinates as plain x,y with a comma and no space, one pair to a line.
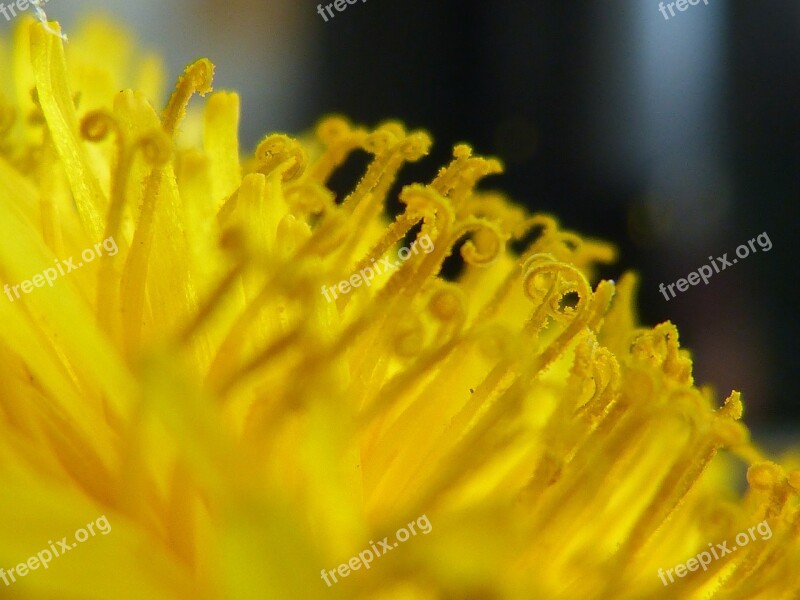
37,6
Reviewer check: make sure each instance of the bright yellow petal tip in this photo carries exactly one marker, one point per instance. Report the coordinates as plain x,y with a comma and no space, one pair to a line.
254,381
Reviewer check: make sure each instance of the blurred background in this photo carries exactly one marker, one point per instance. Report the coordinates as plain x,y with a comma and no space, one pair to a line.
679,139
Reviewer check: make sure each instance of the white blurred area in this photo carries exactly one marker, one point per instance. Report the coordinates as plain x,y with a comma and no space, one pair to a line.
262,49
660,87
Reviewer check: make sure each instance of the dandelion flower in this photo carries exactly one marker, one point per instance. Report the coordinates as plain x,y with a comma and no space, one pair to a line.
263,380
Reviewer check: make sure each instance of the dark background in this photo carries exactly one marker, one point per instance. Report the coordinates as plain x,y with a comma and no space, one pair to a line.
678,139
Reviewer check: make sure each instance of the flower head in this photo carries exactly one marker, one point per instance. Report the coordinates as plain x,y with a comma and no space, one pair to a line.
259,382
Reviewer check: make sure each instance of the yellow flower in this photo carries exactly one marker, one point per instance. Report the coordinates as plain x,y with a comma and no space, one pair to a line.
254,382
